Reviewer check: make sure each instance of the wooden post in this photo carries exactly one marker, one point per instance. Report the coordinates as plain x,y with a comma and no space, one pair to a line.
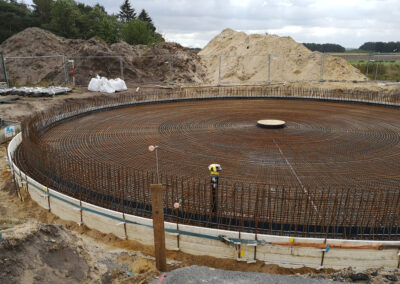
158,226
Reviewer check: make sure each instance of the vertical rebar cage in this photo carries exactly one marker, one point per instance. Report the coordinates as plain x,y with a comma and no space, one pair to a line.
333,211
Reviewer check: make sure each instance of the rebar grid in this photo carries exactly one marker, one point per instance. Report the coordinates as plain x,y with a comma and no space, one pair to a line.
332,172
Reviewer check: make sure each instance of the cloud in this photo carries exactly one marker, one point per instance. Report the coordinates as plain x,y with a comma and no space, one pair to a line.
346,22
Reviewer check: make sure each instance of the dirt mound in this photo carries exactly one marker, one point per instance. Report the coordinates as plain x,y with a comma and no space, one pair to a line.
245,60
35,253
104,60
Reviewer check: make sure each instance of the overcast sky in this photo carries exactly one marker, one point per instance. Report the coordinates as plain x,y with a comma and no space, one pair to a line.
349,23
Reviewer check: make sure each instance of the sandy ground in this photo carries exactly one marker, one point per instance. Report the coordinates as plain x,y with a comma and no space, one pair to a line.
25,106
38,247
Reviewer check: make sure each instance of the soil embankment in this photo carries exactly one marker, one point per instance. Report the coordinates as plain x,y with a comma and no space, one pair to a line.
245,60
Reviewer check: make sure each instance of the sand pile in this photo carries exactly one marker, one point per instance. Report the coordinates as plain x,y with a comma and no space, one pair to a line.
154,67
245,60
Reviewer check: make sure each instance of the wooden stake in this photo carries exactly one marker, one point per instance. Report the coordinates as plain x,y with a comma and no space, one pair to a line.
158,226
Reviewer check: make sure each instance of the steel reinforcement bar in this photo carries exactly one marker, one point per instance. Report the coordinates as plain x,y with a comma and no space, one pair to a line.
350,213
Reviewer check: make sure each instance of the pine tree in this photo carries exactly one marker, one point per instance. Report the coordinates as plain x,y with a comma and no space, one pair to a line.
143,16
126,13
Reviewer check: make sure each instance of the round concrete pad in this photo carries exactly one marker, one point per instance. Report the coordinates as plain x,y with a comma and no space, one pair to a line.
271,123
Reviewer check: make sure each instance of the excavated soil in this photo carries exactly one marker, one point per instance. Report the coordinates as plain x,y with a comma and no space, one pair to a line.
245,60
153,66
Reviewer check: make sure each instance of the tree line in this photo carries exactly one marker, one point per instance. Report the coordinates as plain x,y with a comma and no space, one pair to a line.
325,47
386,47
379,46
71,19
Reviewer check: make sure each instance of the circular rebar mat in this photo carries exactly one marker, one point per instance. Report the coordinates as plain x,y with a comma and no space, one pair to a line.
323,144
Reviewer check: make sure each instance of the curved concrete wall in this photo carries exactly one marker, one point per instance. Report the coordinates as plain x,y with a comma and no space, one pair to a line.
205,241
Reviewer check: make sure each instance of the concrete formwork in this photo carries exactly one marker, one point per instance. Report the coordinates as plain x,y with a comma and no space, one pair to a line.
207,241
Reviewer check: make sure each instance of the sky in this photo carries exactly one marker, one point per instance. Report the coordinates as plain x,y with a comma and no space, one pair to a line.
194,23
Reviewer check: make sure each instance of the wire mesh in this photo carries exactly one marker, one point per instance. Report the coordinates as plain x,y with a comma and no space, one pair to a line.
330,210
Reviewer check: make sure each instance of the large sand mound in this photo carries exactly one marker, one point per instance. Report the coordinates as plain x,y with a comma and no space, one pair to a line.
152,67
244,59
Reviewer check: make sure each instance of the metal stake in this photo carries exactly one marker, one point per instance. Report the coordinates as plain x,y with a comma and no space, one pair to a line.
65,71
121,66
3,60
269,69
219,71
171,75
321,75
376,69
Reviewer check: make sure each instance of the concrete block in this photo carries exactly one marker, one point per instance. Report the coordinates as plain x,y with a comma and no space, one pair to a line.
360,258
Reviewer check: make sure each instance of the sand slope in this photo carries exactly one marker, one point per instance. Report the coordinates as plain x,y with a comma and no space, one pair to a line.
244,59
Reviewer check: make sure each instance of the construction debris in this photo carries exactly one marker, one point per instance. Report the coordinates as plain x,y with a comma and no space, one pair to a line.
35,91
8,99
102,84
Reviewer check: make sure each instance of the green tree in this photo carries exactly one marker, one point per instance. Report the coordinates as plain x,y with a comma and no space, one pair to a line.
143,16
64,18
94,21
109,29
126,13
70,19
89,20
138,32
42,11
14,17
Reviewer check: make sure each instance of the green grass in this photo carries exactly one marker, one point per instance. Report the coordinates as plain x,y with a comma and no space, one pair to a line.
387,70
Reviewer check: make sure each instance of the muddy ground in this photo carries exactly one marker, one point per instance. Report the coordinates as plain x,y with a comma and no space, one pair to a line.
38,247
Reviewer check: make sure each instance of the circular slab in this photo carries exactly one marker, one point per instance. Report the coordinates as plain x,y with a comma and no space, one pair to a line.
271,123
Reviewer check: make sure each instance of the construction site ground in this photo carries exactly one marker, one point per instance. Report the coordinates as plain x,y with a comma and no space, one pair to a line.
38,247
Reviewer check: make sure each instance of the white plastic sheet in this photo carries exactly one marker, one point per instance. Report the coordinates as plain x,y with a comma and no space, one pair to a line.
102,84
